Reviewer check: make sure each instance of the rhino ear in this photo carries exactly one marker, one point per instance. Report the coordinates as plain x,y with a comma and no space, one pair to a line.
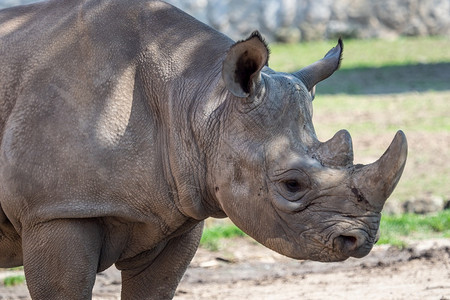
241,70
322,69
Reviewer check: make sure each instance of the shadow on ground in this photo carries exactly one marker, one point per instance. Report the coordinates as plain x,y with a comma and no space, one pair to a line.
388,80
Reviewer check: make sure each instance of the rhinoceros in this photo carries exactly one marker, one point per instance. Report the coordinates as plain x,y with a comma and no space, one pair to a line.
125,124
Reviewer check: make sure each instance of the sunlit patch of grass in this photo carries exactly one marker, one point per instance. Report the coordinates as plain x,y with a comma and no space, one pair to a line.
14,280
363,53
398,230
211,236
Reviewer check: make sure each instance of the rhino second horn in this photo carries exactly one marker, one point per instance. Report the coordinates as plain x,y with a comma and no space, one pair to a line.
375,182
322,69
337,151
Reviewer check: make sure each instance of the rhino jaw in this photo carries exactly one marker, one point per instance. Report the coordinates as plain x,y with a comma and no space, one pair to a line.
375,182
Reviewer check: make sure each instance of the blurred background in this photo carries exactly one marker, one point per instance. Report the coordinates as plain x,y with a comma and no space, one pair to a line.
306,20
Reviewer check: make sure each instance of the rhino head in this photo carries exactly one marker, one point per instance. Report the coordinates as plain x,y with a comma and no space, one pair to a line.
276,181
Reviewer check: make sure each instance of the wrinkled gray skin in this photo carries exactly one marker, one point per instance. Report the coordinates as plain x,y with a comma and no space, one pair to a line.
127,123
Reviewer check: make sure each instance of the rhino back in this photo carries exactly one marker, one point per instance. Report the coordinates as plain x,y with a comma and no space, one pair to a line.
89,90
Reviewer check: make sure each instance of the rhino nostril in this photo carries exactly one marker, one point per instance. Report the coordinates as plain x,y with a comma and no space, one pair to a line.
355,245
350,243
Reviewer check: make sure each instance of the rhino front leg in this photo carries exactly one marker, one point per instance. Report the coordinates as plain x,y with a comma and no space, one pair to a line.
156,275
61,258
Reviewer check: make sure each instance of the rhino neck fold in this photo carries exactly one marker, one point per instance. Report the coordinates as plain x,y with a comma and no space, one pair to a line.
187,77
189,139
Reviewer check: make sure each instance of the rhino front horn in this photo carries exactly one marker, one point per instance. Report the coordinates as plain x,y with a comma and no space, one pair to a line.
375,182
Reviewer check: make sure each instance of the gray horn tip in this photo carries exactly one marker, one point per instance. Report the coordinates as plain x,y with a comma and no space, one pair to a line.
395,156
401,143
378,180
393,160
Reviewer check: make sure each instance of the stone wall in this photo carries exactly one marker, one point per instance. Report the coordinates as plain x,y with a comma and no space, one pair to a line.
295,20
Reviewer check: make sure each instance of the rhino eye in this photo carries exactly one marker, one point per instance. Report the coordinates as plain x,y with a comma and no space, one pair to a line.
292,186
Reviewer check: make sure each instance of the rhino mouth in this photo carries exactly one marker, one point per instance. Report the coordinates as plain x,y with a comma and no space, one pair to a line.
343,247
340,240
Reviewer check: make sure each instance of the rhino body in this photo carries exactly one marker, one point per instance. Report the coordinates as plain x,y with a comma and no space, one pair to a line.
126,123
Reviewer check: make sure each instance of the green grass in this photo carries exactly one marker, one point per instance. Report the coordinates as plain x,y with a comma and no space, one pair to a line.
13,280
363,53
400,229
211,236
374,66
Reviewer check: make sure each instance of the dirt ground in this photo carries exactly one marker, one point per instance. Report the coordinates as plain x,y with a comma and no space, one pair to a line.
246,270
